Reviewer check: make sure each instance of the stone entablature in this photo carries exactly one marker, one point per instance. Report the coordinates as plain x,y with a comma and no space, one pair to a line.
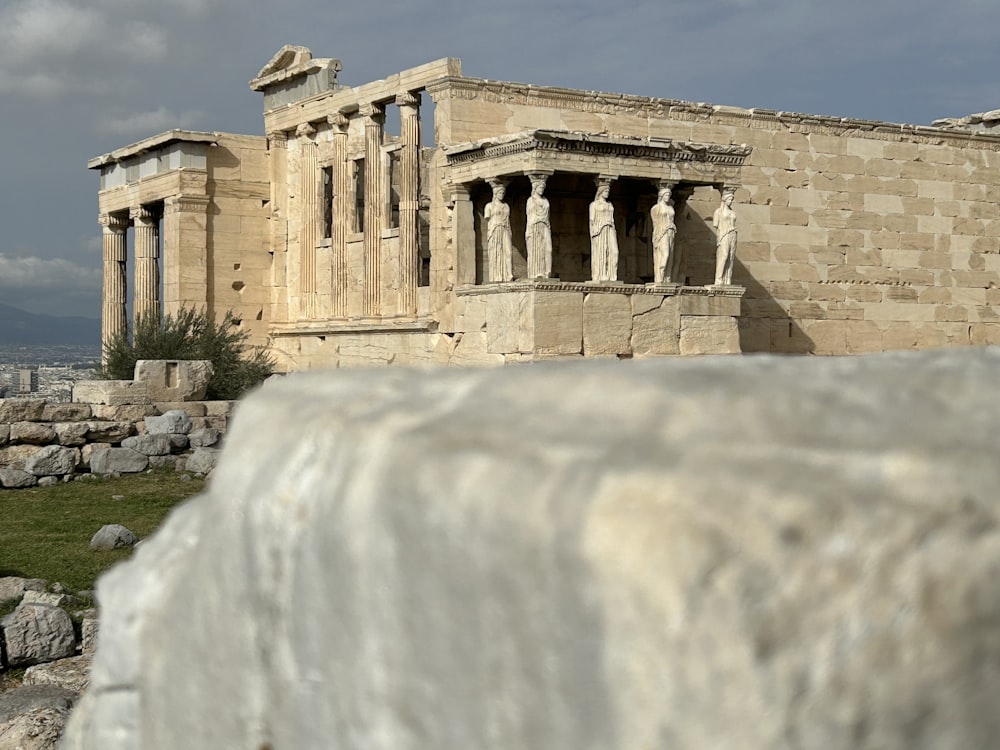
596,153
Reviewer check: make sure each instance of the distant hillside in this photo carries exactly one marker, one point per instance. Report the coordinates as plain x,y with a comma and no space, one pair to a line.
20,327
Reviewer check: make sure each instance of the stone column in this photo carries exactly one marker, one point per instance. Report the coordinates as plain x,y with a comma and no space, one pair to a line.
341,211
310,216
277,144
409,202
147,261
114,320
374,115
463,236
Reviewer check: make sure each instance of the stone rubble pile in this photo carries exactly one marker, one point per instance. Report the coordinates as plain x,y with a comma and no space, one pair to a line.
44,443
54,635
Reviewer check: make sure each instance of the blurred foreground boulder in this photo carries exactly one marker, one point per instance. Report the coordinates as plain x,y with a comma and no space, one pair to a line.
735,552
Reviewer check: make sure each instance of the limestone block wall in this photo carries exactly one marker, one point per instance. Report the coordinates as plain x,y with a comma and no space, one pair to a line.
43,442
855,236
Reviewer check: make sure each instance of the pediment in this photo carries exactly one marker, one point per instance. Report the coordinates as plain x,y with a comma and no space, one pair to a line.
289,56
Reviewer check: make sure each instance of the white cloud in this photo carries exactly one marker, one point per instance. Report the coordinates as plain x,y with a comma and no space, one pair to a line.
147,123
30,272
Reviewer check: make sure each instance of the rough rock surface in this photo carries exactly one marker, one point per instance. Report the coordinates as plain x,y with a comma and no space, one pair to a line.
753,552
202,460
71,674
149,445
15,479
13,587
27,698
37,729
124,460
36,633
52,460
175,421
112,536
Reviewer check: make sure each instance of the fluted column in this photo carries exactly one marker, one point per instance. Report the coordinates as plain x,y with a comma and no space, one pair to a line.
309,219
277,144
114,320
409,202
341,212
147,261
374,115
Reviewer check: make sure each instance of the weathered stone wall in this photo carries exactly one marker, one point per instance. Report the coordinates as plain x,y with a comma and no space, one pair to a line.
855,236
43,442
762,553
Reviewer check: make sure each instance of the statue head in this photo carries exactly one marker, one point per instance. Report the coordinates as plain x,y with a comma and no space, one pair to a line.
499,189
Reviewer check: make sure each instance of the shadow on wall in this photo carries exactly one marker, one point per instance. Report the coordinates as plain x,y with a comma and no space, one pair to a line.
765,325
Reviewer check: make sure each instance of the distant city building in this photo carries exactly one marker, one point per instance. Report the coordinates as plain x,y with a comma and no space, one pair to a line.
28,380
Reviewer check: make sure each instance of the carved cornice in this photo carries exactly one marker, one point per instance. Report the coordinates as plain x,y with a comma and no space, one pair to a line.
608,287
186,204
600,145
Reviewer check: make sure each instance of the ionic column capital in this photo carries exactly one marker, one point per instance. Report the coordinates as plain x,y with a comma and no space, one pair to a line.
408,99
277,139
305,131
145,215
373,112
114,223
338,123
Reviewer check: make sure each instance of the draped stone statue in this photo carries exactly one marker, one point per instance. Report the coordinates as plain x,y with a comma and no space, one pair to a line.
724,221
538,232
499,242
603,236
664,232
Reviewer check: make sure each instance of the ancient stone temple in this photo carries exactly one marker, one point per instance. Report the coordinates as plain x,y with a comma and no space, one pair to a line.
436,218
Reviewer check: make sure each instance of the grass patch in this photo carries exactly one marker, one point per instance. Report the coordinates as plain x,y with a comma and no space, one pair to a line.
45,531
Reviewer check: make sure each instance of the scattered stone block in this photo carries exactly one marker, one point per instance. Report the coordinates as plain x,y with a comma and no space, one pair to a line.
35,729
53,460
112,536
21,410
72,673
16,479
14,456
47,481
48,598
175,421
163,462
67,412
36,633
123,412
205,437
30,697
32,433
110,392
218,408
150,445
109,432
174,380
13,587
71,433
121,460
191,408
202,460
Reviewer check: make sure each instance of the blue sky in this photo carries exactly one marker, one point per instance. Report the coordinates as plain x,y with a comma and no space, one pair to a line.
79,78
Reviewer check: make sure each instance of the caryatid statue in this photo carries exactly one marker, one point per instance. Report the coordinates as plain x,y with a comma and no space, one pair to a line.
499,241
603,236
724,221
538,230
664,232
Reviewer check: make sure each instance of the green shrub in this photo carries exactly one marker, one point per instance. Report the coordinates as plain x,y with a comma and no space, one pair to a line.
191,334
